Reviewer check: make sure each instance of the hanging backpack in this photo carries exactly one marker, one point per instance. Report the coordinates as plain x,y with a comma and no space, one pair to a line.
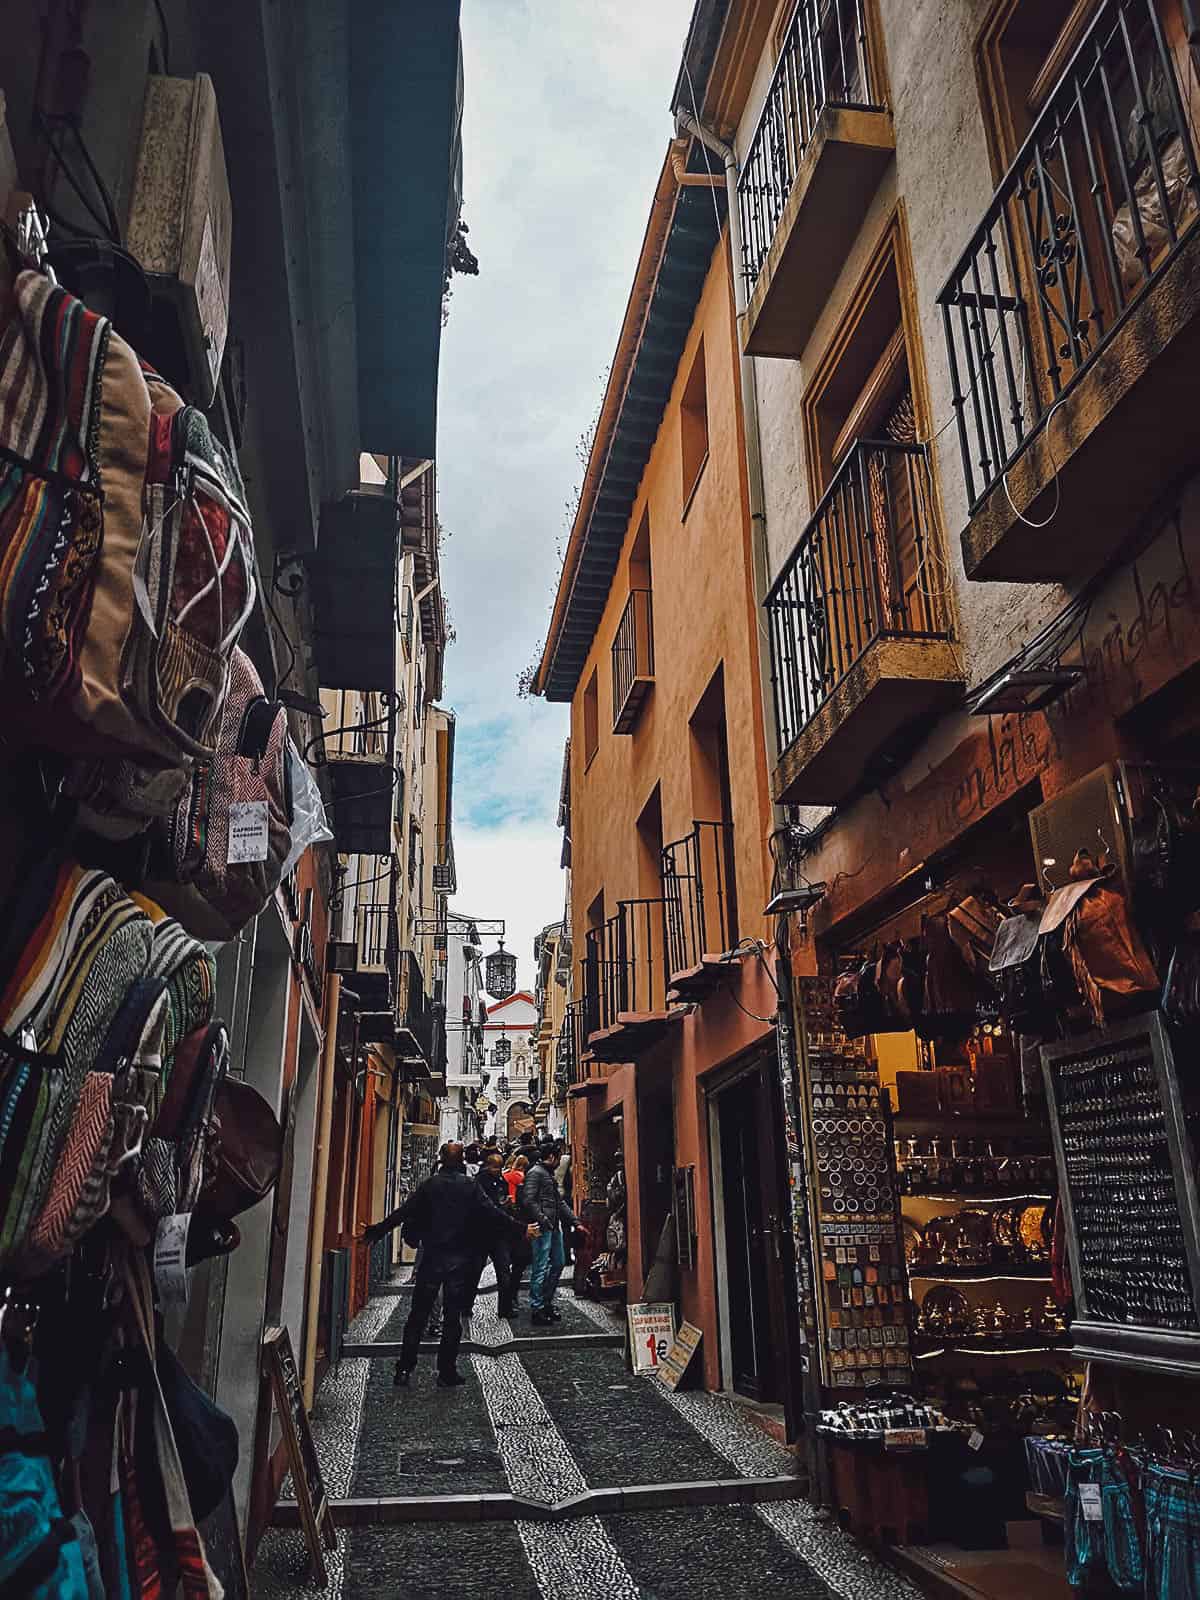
40,1556
223,849
126,559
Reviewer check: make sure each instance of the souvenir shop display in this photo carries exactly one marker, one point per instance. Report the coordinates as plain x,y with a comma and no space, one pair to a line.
146,776
860,1248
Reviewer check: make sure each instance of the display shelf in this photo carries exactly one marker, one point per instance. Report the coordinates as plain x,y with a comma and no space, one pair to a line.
983,1197
970,1344
948,1274
1000,1124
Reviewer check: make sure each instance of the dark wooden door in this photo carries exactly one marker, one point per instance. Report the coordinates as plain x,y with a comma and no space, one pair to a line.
748,1244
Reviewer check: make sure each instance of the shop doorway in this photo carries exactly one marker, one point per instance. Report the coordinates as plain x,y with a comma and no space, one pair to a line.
656,1162
750,1262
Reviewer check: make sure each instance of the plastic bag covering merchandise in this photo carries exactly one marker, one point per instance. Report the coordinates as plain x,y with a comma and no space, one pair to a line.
40,1558
309,822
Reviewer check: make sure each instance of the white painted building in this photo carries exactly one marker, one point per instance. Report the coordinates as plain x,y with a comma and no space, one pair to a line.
511,1024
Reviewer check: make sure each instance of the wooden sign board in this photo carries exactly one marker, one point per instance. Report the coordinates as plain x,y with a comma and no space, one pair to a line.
315,1515
679,1356
651,1333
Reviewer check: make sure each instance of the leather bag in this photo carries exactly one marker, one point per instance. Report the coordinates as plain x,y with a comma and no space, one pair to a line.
246,1152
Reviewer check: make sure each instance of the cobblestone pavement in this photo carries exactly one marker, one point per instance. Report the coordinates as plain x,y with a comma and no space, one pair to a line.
547,1425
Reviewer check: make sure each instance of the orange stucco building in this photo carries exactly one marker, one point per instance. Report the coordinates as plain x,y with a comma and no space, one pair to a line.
653,642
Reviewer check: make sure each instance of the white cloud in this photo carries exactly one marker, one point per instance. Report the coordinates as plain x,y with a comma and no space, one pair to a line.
511,872
565,127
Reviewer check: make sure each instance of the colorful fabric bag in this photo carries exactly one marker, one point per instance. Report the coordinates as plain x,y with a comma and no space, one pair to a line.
40,1558
126,558
225,845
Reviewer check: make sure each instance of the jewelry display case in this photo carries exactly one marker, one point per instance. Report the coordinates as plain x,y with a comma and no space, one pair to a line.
1127,1183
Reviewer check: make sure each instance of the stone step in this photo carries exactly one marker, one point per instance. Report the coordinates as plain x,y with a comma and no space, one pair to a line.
358,1513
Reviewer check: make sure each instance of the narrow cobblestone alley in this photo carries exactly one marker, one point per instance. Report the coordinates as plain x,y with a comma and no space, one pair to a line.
548,1424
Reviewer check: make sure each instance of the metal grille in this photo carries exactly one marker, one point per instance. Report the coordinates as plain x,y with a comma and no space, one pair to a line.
824,62
860,572
1087,215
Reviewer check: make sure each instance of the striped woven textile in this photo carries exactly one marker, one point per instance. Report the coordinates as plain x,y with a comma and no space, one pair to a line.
76,946
51,358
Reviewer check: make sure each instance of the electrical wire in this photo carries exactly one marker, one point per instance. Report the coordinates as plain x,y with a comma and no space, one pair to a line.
166,38
61,162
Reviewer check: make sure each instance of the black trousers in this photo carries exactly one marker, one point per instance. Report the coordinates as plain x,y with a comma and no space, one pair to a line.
456,1280
501,1254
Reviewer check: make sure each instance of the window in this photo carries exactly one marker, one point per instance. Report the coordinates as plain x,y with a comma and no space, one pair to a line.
693,426
591,720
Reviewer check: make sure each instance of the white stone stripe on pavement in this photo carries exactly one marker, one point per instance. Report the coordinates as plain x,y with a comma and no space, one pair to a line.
574,1560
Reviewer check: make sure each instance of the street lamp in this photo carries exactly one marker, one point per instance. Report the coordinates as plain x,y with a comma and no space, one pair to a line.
500,973
502,1051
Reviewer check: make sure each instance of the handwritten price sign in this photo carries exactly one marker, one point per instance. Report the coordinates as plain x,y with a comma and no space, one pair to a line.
651,1334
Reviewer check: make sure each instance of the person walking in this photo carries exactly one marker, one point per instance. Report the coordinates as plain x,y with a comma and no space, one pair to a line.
563,1179
501,1245
455,1220
546,1203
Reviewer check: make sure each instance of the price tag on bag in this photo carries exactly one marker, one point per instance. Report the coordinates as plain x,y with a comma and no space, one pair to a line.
1089,1502
170,1259
975,1440
248,832
904,1439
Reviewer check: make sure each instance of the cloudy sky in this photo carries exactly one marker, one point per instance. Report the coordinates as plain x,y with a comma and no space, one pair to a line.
566,124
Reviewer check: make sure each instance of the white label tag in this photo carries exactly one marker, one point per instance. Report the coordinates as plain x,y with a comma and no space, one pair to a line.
975,1440
1089,1502
170,1259
248,831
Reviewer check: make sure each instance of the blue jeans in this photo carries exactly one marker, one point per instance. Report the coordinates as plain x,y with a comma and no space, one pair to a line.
548,1262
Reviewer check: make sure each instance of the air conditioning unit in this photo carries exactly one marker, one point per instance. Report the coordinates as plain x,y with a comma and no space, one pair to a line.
181,220
1091,814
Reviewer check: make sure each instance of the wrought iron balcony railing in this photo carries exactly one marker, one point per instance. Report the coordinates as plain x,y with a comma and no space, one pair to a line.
697,886
632,659
1089,213
824,62
415,1013
860,572
624,967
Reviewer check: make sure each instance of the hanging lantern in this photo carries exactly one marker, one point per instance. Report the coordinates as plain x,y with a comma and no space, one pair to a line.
502,1087
500,973
502,1051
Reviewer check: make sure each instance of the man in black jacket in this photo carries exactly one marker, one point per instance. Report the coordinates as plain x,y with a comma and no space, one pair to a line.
455,1220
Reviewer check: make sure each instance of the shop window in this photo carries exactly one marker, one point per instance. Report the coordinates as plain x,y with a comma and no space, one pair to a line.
693,426
591,719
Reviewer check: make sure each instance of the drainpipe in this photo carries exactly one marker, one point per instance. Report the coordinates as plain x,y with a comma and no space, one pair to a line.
685,122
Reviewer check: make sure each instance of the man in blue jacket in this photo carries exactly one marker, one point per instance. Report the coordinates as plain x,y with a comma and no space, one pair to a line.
544,1200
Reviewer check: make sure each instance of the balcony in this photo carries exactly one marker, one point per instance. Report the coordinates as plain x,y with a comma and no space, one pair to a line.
445,873
632,660
698,885
813,165
360,757
376,973
415,1021
858,631
352,579
1071,321
625,1003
